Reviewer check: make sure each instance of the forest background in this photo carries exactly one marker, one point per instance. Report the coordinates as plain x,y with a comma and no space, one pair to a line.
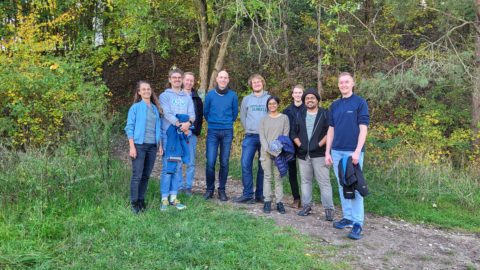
68,69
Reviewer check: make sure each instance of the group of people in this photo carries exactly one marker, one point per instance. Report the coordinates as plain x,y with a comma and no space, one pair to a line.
316,137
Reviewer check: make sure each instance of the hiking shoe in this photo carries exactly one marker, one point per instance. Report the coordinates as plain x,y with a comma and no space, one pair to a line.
343,223
135,207
329,214
297,203
356,233
178,205
142,205
267,207
259,200
305,211
280,208
208,194
222,196
164,205
243,199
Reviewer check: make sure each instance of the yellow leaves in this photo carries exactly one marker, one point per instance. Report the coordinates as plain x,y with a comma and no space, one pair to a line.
54,66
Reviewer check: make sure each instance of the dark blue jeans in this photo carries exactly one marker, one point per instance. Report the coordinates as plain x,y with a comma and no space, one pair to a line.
218,138
142,167
250,146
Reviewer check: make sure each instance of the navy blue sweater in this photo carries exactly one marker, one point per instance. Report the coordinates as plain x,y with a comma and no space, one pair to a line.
220,111
346,114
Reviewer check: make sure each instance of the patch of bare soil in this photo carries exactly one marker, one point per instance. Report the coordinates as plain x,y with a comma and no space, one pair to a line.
386,244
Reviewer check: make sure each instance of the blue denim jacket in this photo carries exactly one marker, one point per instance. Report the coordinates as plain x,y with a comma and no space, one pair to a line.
136,123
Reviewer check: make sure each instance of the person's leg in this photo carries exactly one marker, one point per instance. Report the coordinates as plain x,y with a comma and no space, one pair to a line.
190,172
278,185
165,180
266,164
357,203
150,156
260,173
212,150
306,177
248,153
138,164
323,179
225,145
346,203
292,178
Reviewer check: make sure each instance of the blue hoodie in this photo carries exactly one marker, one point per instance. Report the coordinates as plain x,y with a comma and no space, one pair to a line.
220,111
175,103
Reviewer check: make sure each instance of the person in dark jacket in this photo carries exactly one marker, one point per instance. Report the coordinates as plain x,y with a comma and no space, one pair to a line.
188,83
347,133
293,111
309,135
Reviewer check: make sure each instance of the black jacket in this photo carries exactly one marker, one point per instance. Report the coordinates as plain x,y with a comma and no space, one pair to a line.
320,129
351,179
198,107
293,112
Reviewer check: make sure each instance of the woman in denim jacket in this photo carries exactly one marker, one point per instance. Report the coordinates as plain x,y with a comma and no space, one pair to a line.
144,134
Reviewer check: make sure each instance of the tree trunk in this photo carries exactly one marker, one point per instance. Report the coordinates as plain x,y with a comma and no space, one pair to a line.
222,52
97,23
319,49
287,53
476,80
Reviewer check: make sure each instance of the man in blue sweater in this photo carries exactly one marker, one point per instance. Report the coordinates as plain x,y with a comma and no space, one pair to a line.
220,112
347,132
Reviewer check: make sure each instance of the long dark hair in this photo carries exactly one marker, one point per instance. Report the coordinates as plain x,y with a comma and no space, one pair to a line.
153,97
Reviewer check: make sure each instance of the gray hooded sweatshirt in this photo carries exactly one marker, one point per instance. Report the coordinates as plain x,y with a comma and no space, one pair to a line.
252,110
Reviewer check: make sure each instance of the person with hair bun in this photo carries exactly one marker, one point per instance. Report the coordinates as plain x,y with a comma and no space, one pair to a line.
143,130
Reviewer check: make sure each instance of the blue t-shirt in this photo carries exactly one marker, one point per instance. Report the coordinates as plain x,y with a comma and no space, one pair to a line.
346,114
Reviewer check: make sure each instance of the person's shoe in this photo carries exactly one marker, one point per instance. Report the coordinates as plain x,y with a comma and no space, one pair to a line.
141,205
178,205
297,203
243,199
343,223
208,194
259,200
305,211
356,233
135,207
222,196
267,207
329,213
164,205
280,208
188,192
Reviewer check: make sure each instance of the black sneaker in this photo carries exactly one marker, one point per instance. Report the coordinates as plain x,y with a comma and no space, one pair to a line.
280,208
343,223
305,211
259,200
222,196
141,205
243,199
267,207
208,194
135,207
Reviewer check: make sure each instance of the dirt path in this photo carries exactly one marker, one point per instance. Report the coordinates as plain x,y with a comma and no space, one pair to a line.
387,243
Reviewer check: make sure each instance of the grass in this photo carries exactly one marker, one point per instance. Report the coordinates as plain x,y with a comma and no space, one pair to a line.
52,217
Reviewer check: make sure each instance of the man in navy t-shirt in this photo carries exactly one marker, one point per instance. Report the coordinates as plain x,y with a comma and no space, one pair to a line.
347,132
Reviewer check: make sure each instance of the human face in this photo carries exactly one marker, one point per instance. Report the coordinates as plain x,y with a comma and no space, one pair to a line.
145,91
257,85
311,101
176,80
345,85
272,106
297,94
188,82
222,79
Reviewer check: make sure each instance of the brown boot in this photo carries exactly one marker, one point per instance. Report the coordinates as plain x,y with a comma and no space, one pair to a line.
297,203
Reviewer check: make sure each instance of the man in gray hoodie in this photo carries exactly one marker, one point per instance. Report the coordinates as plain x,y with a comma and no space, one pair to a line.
252,110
